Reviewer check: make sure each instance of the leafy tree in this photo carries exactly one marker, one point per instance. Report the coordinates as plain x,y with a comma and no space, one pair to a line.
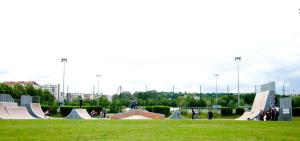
115,107
31,90
18,90
103,101
296,101
6,89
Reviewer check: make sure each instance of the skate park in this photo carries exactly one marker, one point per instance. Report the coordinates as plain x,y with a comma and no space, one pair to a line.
31,109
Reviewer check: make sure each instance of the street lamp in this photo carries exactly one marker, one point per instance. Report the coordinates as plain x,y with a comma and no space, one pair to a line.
98,76
238,59
216,76
64,60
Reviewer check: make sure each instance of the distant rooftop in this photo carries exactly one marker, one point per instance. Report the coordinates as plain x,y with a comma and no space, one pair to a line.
20,82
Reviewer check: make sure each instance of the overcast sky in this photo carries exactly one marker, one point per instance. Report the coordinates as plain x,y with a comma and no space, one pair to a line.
158,43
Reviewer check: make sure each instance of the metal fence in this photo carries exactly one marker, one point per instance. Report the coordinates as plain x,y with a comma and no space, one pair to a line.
6,98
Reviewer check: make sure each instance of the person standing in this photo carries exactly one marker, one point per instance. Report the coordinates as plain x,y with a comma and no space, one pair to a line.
210,115
193,113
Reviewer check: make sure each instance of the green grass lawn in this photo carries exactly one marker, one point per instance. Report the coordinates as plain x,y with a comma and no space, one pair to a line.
150,130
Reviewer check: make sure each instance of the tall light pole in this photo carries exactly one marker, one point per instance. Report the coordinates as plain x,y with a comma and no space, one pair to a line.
216,76
98,76
64,60
238,59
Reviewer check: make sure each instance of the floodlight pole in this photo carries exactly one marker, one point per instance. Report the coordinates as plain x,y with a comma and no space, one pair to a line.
98,76
64,60
216,76
238,59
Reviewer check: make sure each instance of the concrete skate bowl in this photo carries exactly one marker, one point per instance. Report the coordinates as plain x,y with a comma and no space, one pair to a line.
36,110
78,114
138,114
3,112
260,103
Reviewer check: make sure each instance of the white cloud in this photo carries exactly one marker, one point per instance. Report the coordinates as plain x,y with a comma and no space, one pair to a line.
158,43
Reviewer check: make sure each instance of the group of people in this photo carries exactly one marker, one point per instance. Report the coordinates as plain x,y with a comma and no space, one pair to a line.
133,104
102,114
269,115
196,115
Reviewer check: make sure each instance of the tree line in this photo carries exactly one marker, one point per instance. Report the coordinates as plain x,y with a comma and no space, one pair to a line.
16,91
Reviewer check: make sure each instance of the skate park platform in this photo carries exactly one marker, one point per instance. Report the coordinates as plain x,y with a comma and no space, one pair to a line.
35,110
10,110
138,114
260,103
263,100
79,114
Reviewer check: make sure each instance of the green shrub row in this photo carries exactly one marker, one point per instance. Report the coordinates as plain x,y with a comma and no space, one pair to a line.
239,111
159,109
296,111
67,109
52,109
226,111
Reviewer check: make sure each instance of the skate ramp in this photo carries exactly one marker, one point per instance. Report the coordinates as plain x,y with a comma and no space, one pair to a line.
35,110
138,113
18,113
136,117
176,115
3,112
78,114
260,103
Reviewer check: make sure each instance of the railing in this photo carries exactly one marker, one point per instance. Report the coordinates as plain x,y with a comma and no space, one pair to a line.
6,98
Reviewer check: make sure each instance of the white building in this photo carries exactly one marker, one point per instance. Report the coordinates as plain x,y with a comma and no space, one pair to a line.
53,89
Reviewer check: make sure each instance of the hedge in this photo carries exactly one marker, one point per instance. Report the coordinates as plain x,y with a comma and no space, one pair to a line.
67,109
296,111
239,111
159,109
52,109
226,111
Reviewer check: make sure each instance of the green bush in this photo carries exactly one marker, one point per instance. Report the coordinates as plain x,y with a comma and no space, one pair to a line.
159,109
89,109
52,109
239,111
226,111
149,108
296,111
183,111
67,109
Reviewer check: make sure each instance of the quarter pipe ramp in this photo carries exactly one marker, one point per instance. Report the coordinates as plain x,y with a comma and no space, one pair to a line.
78,114
261,102
35,110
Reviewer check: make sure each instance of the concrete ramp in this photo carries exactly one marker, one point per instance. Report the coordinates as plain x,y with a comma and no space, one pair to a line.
176,115
78,114
133,114
35,110
3,112
260,103
18,113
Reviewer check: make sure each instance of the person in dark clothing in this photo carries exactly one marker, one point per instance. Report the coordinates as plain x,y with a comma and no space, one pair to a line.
80,101
273,114
268,116
261,115
104,113
276,114
193,113
210,115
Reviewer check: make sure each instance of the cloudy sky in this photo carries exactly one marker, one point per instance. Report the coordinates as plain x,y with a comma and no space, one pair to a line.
158,43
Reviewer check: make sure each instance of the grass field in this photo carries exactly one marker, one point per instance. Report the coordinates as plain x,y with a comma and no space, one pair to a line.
148,130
